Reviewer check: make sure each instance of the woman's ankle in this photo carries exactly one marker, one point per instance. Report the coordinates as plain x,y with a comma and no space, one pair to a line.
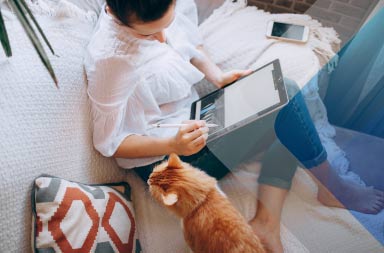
264,217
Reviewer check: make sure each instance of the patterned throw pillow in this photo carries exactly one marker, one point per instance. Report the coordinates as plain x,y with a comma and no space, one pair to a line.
79,218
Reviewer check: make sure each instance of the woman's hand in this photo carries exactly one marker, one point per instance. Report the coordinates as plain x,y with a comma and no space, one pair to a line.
231,76
213,73
191,138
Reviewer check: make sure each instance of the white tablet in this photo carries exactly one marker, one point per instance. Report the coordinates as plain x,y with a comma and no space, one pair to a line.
244,101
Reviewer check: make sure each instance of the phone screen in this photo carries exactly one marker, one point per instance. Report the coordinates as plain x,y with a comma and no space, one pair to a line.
288,31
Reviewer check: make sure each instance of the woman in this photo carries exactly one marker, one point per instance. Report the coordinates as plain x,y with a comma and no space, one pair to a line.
142,63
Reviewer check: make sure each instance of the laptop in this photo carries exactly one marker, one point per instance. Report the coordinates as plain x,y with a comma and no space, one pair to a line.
243,101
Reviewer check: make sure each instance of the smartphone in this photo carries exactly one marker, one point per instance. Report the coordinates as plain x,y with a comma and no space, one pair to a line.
287,31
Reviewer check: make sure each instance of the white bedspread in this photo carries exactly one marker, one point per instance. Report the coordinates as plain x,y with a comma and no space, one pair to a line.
307,226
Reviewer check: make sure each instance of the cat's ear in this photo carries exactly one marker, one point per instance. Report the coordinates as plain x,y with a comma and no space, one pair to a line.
169,199
174,161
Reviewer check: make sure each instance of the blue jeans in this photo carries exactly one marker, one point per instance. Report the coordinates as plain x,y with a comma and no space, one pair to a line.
297,139
297,142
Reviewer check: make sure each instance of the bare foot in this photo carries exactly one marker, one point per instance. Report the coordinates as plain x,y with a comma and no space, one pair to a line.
266,223
337,192
352,197
269,234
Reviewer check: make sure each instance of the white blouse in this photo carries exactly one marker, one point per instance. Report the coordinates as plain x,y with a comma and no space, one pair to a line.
133,83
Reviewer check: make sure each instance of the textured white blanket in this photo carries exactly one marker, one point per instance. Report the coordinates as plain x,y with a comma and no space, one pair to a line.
319,228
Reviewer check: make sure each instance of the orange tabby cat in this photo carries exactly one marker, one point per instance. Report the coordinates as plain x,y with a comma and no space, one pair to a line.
211,224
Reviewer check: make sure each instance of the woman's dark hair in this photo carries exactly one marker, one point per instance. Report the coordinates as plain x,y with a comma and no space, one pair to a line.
142,10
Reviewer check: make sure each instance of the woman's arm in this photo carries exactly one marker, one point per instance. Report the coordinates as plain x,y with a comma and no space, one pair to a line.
213,73
189,140
137,146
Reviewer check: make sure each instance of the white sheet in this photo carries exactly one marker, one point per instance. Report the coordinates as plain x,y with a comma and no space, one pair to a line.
319,228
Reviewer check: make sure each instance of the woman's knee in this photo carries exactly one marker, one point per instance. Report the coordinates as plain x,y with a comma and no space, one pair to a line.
292,87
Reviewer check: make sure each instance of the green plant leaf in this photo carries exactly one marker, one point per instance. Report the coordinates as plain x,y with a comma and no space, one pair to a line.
20,13
25,6
4,37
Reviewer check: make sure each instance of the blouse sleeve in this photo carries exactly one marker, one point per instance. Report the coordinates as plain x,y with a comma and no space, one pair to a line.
116,112
189,9
184,36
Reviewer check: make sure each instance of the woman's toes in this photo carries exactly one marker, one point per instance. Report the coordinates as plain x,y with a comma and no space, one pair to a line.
380,196
377,208
380,203
373,209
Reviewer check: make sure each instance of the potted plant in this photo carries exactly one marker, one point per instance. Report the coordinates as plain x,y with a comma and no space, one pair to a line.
32,29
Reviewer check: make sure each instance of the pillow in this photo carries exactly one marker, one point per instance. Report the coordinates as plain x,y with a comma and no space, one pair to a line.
75,217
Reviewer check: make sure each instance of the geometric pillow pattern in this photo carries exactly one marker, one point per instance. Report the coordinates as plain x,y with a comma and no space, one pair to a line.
71,217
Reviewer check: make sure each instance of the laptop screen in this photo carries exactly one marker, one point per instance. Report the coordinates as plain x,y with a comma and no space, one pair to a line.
243,101
250,96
